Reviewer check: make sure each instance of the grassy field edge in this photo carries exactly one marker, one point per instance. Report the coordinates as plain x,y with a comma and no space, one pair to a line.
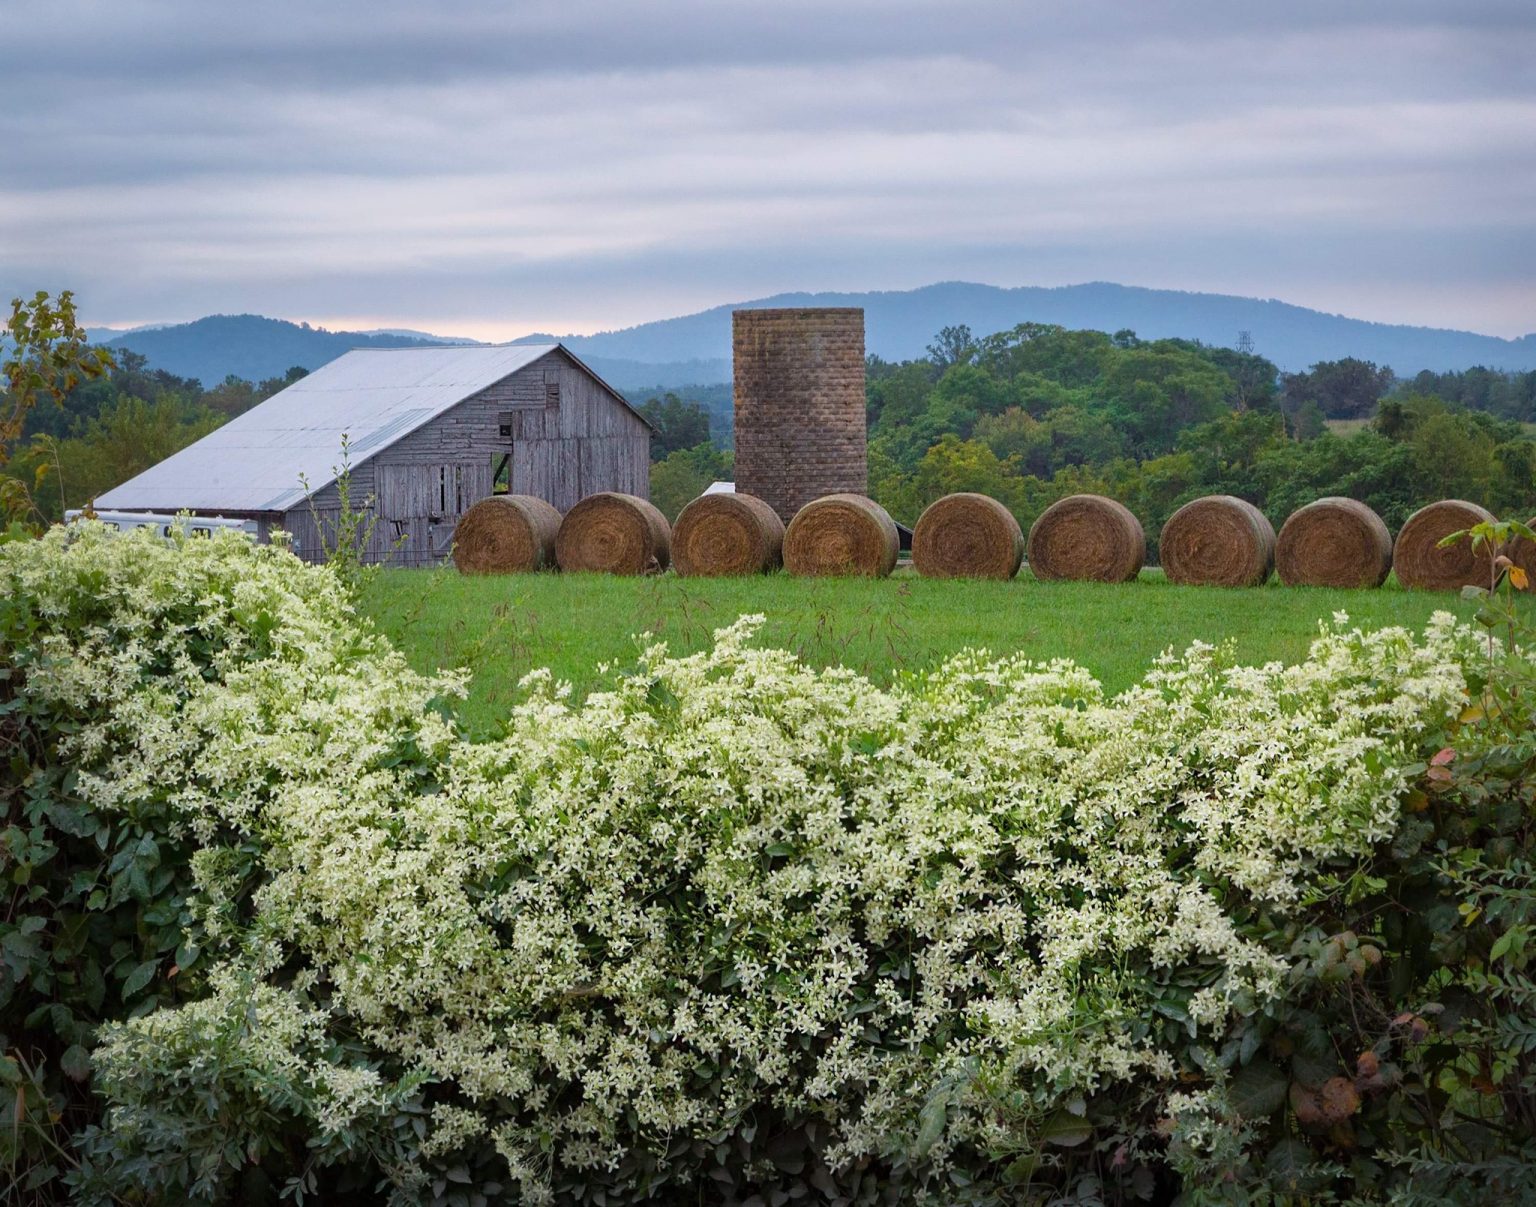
503,627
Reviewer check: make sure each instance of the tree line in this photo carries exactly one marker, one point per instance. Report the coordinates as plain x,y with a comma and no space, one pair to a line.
77,444
1038,412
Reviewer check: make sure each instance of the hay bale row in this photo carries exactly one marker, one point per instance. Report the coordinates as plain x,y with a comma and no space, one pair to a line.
727,534
1219,541
1419,561
506,534
1087,538
841,534
967,536
1333,542
614,533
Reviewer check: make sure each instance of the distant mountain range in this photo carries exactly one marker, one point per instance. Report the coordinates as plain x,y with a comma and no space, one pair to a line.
695,349
246,345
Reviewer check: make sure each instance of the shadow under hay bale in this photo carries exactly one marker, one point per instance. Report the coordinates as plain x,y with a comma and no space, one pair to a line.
1087,538
614,533
1334,542
1218,541
1419,561
967,535
506,534
841,534
727,534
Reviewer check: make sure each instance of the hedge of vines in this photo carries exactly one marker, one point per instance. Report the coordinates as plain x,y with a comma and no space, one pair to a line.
736,930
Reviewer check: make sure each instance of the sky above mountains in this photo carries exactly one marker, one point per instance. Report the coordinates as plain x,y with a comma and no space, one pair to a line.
498,169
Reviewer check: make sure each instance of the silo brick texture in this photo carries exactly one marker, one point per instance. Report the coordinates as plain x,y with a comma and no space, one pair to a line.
799,387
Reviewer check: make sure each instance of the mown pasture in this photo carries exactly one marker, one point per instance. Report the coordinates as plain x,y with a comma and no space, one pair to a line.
501,627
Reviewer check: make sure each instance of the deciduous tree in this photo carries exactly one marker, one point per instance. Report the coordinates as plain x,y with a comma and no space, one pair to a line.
49,356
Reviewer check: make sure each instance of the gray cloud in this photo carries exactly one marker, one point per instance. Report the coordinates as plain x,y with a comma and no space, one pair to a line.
588,164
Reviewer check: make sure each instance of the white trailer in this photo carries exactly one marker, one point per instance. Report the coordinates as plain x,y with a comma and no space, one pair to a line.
196,525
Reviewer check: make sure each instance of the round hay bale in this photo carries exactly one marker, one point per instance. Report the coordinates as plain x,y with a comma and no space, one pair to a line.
1218,541
1522,551
727,534
614,533
967,536
506,534
1422,565
1333,542
841,534
1087,538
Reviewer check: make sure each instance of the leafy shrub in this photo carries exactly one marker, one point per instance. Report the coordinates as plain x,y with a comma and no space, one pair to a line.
744,931
120,660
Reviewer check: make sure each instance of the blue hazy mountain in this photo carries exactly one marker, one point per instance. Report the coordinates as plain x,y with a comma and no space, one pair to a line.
695,349
899,325
249,346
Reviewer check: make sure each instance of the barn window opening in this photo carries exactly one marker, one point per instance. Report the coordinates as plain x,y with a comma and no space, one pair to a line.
442,489
501,474
551,390
504,424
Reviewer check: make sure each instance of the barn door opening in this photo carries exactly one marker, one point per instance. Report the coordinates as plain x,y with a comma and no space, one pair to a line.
450,492
459,487
422,504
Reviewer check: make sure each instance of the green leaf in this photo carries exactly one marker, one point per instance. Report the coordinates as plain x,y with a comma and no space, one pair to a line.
1065,1130
1291,1164
74,820
660,697
1258,1090
76,1063
41,1175
139,977
931,1122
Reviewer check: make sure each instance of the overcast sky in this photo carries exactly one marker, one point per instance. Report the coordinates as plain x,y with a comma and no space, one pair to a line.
491,169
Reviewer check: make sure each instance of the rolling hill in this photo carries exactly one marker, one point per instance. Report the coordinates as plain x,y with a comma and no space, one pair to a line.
695,349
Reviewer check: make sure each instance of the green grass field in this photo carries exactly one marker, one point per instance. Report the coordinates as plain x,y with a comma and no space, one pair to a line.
504,627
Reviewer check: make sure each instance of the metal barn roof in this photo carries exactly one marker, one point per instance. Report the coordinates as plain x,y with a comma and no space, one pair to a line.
375,396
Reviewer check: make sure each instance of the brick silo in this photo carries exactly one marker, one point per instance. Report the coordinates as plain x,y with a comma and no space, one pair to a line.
799,386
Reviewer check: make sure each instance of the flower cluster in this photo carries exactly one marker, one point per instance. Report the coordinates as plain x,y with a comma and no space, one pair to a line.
929,918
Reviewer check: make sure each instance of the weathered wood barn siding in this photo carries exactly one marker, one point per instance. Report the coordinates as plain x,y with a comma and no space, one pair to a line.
564,436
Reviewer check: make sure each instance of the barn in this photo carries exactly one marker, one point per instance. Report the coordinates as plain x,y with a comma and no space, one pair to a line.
427,432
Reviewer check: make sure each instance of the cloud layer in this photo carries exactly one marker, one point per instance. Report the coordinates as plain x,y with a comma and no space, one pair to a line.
591,164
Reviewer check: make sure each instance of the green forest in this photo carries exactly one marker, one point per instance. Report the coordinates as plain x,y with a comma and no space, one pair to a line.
1027,416
110,428
1037,413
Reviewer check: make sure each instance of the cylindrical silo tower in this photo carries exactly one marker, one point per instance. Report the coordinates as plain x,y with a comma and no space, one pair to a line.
799,405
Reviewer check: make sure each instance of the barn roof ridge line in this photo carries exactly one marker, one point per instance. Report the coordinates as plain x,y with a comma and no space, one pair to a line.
551,346
271,430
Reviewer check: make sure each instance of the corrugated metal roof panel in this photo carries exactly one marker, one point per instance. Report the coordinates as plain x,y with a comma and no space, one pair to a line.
373,396
383,434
